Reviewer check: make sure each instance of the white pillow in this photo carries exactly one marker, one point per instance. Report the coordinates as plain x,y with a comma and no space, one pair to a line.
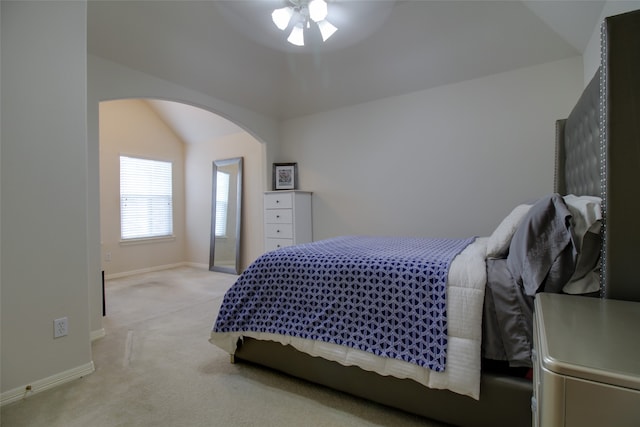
586,213
586,218
500,239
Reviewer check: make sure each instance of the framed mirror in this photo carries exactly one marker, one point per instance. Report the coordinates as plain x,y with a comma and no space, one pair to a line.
226,212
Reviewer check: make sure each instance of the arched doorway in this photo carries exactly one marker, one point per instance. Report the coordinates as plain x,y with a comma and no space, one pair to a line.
191,139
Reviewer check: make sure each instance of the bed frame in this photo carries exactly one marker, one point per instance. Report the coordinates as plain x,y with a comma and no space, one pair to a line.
597,153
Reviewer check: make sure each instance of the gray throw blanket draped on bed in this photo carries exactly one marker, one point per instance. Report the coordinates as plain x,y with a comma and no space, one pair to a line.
542,257
383,295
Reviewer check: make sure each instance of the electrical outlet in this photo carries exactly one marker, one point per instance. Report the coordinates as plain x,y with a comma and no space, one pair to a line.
60,327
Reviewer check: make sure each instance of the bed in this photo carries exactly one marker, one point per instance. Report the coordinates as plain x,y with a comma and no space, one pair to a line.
597,156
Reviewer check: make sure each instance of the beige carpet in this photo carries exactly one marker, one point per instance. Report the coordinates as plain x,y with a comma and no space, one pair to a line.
155,367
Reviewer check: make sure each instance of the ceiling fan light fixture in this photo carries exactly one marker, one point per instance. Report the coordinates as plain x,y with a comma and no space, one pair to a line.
297,35
301,16
326,29
281,17
317,10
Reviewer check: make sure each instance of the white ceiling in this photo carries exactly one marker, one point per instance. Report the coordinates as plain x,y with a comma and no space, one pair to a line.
230,50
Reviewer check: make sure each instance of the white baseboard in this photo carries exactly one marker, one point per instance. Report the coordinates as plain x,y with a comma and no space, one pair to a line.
156,268
96,335
45,384
144,270
197,265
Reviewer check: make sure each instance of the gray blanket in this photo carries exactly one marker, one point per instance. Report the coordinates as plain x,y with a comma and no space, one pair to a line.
542,258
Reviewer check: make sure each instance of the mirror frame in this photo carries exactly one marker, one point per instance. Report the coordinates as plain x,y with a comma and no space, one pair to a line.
218,164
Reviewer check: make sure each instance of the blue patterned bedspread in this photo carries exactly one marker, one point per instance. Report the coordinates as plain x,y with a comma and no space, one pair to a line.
383,295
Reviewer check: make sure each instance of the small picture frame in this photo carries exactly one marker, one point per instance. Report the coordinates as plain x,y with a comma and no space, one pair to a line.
285,176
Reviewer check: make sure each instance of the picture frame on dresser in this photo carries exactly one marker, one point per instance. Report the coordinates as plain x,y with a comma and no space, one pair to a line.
285,176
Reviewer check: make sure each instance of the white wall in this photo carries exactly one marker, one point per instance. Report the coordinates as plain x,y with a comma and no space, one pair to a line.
451,161
44,270
591,55
199,166
131,127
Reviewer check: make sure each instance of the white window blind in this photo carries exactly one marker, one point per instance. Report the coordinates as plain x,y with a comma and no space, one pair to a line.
222,203
146,203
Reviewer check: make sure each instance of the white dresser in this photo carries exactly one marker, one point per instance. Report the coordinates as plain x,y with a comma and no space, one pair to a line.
586,362
287,219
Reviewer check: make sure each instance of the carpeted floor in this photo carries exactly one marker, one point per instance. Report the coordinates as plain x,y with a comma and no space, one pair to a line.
155,367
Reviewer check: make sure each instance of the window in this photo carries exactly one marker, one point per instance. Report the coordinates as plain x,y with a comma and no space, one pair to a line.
146,203
222,203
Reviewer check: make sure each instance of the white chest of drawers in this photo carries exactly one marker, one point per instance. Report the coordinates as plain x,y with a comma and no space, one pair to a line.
586,362
287,219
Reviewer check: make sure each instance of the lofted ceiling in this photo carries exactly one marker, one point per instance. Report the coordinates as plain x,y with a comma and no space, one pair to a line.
231,50
191,124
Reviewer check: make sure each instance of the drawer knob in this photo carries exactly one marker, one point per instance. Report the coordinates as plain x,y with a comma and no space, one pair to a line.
277,231
277,216
277,201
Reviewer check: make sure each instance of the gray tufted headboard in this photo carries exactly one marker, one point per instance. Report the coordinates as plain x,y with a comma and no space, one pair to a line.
598,153
578,150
